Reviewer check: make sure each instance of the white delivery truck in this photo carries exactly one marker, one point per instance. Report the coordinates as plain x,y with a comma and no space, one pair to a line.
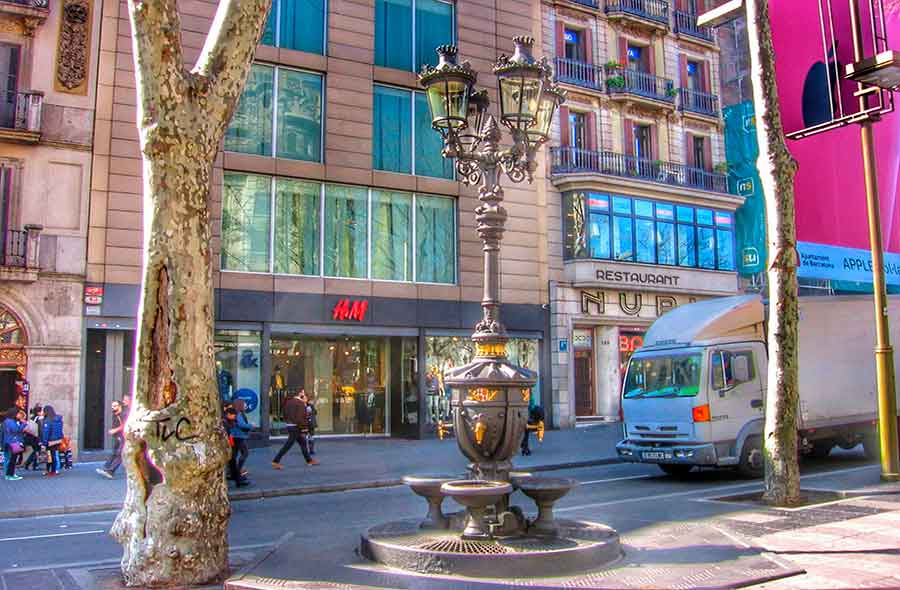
693,394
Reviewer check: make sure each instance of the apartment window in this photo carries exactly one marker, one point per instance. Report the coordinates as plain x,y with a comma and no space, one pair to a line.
643,138
575,45
638,58
296,24
578,130
402,138
295,227
9,83
279,115
693,76
699,152
408,31
619,227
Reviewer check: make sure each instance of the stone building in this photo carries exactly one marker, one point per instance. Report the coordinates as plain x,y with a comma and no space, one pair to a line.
346,260
640,215
48,72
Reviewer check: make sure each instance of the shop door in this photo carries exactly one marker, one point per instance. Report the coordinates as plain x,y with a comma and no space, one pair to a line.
584,383
7,388
404,388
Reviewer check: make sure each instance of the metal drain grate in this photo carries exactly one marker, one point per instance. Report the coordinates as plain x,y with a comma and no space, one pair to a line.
464,546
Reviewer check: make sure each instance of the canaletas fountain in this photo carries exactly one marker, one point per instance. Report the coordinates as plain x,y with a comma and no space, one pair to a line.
490,396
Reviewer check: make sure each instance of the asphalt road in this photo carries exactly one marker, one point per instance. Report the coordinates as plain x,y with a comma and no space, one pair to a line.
621,495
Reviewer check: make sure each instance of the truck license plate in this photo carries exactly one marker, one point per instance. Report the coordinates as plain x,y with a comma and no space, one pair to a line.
656,455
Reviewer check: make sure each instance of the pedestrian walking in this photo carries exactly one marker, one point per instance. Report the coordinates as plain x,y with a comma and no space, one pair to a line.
535,415
13,441
118,433
33,437
297,418
52,438
312,415
238,431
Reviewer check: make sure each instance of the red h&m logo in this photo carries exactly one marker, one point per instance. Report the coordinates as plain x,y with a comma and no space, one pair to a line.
347,309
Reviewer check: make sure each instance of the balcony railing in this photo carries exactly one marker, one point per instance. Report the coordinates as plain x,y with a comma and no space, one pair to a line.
23,112
571,160
686,24
699,102
579,73
654,10
30,3
589,3
14,248
621,80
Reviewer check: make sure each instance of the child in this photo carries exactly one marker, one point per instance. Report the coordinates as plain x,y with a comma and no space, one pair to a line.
237,433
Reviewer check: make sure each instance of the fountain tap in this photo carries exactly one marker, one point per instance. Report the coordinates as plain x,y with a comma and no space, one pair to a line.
539,429
480,430
443,429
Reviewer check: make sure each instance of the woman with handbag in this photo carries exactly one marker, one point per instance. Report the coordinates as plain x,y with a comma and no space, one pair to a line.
52,437
13,441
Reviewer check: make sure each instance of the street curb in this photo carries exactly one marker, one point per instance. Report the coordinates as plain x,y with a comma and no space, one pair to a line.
236,496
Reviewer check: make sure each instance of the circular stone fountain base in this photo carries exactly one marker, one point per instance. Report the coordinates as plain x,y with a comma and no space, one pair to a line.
580,546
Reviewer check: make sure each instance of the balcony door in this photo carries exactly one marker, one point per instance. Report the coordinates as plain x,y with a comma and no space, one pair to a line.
639,58
575,45
9,83
5,209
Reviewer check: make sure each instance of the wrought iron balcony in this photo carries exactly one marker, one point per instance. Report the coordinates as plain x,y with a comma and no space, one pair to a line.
14,248
30,13
20,119
588,3
652,10
570,71
572,160
702,103
621,80
20,254
686,24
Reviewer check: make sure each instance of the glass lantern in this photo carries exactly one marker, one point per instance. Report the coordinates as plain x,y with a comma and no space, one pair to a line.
521,83
448,86
552,97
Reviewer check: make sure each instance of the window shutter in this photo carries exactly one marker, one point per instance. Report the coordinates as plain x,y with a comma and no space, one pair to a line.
651,58
654,142
591,131
588,45
707,153
679,5
623,51
707,79
682,66
689,150
564,126
628,127
560,38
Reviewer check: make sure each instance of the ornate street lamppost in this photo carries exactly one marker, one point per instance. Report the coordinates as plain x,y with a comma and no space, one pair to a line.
490,395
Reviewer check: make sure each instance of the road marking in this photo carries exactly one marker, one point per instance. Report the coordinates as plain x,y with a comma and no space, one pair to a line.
52,535
704,493
645,476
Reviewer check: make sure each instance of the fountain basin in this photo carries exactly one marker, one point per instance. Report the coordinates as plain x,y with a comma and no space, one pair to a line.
429,487
476,495
545,492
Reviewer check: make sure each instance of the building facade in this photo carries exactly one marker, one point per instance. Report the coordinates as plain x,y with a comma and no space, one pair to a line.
346,261
641,217
48,69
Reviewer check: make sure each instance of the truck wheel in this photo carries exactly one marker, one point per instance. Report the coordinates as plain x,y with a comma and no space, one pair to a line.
752,464
675,470
821,449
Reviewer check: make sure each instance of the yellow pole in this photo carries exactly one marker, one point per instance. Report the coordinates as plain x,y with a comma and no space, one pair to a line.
884,353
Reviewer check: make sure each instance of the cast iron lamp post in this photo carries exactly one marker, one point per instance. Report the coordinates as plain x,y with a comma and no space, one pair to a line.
490,395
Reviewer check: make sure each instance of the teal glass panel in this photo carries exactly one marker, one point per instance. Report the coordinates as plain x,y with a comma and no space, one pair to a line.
429,161
623,238
725,249
299,132
622,205
704,217
268,37
665,242
724,219
598,236
346,227
706,247
391,235
597,201
393,34
665,212
246,200
435,239
645,238
392,133
685,214
250,131
687,245
643,208
297,227
434,27
302,25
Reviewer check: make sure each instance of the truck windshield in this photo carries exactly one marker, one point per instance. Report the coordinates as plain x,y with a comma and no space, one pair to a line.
663,376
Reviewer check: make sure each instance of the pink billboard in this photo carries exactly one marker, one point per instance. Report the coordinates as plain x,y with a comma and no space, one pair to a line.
832,226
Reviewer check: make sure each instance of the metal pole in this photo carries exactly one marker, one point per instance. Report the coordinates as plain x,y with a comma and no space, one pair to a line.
884,353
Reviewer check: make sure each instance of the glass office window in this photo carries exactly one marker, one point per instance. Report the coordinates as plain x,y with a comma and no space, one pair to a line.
623,238
296,24
642,208
434,27
725,249
391,235
297,227
685,214
687,245
645,236
392,133
250,130
429,143
706,247
622,205
346,228
665,242
394,34
435,239
246,200
598,235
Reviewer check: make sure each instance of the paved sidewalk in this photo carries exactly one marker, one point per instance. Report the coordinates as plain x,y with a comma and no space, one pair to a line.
345,464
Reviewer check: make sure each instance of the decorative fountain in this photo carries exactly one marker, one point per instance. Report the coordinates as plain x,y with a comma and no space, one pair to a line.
490,396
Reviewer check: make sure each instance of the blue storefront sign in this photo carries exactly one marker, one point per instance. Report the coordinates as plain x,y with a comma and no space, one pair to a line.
820,261
250,398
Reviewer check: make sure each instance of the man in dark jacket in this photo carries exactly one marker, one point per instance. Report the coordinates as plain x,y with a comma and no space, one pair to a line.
297,419
118,433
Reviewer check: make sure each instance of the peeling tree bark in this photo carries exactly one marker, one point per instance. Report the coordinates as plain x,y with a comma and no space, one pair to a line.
173,525
776,170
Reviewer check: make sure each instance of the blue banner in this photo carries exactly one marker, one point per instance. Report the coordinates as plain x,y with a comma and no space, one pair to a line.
820,261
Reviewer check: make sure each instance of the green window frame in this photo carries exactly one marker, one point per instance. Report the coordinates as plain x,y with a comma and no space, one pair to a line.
407,32
279,115
291,25
403,140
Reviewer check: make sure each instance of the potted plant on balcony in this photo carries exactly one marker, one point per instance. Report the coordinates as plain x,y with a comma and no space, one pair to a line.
721,168
671,92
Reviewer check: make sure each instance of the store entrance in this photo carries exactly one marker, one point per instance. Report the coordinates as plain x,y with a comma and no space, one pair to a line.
582,343
8,378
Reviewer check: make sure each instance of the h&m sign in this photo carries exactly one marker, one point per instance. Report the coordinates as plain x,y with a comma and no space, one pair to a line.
350,309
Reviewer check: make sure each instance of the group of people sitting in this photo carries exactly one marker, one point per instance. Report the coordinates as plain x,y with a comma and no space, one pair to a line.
41,433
